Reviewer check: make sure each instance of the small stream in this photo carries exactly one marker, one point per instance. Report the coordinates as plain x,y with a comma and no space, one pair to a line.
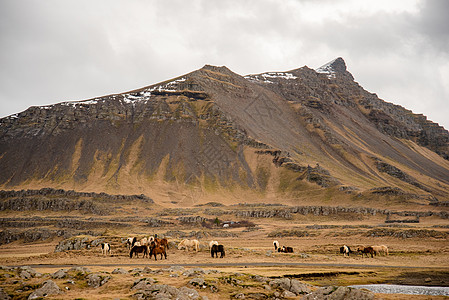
405,289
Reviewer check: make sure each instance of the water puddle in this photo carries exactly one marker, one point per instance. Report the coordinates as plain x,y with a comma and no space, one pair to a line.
405,289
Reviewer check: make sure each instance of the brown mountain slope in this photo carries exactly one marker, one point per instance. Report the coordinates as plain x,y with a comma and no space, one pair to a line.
275,133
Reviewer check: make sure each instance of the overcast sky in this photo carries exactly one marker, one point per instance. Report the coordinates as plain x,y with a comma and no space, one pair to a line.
53,50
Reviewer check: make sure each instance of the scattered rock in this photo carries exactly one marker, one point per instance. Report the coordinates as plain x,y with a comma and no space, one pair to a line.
175,269
80,270
119,271
288,294
198,282
49,288
25,275
291,285
193,272
96,280
136,270
62,273
163,291
143,284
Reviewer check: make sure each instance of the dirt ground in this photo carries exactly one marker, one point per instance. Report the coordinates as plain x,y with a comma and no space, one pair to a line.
414,260
316,261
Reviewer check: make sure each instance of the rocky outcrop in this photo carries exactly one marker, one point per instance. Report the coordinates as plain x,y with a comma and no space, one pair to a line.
406,234
31,235
4,194
53,204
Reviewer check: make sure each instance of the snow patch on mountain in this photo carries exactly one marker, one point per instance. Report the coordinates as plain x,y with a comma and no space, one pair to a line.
265,77
327,69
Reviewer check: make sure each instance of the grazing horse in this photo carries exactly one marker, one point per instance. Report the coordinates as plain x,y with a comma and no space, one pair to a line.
384,250
186,244
138,249
105,248
131,241
377,250
345,250
285,249
217,248
157,249
163,242
211,243
276,245
366,250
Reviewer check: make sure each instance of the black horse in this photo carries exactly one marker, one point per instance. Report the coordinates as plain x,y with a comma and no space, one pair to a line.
217,248
138,249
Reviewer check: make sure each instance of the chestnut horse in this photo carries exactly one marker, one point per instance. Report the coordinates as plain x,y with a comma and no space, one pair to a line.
157,249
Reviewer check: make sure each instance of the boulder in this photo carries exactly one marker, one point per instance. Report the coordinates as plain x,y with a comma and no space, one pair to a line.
143,284
62,273
96,280
291,285
120,271
48,288
163,291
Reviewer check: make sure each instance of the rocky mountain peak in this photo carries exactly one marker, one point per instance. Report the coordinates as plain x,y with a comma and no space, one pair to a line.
334,67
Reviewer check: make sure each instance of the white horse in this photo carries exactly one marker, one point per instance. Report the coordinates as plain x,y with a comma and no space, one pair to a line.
345,250
105,248
276,245
186,244
130,242
211,243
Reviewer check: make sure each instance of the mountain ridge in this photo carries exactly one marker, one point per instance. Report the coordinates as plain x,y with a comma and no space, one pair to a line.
265,131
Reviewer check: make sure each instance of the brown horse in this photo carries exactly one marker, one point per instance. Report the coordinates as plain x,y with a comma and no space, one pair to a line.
135,250
157,249
162,242
285,249
366,250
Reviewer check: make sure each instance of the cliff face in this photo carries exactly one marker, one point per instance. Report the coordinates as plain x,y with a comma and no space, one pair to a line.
265,132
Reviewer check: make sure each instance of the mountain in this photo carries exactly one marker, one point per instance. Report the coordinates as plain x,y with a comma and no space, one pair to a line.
275,134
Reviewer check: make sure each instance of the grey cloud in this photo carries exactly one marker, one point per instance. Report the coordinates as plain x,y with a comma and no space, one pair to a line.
58,50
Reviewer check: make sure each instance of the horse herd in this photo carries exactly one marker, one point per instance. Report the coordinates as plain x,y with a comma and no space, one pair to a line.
153,246
372,250
345,250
